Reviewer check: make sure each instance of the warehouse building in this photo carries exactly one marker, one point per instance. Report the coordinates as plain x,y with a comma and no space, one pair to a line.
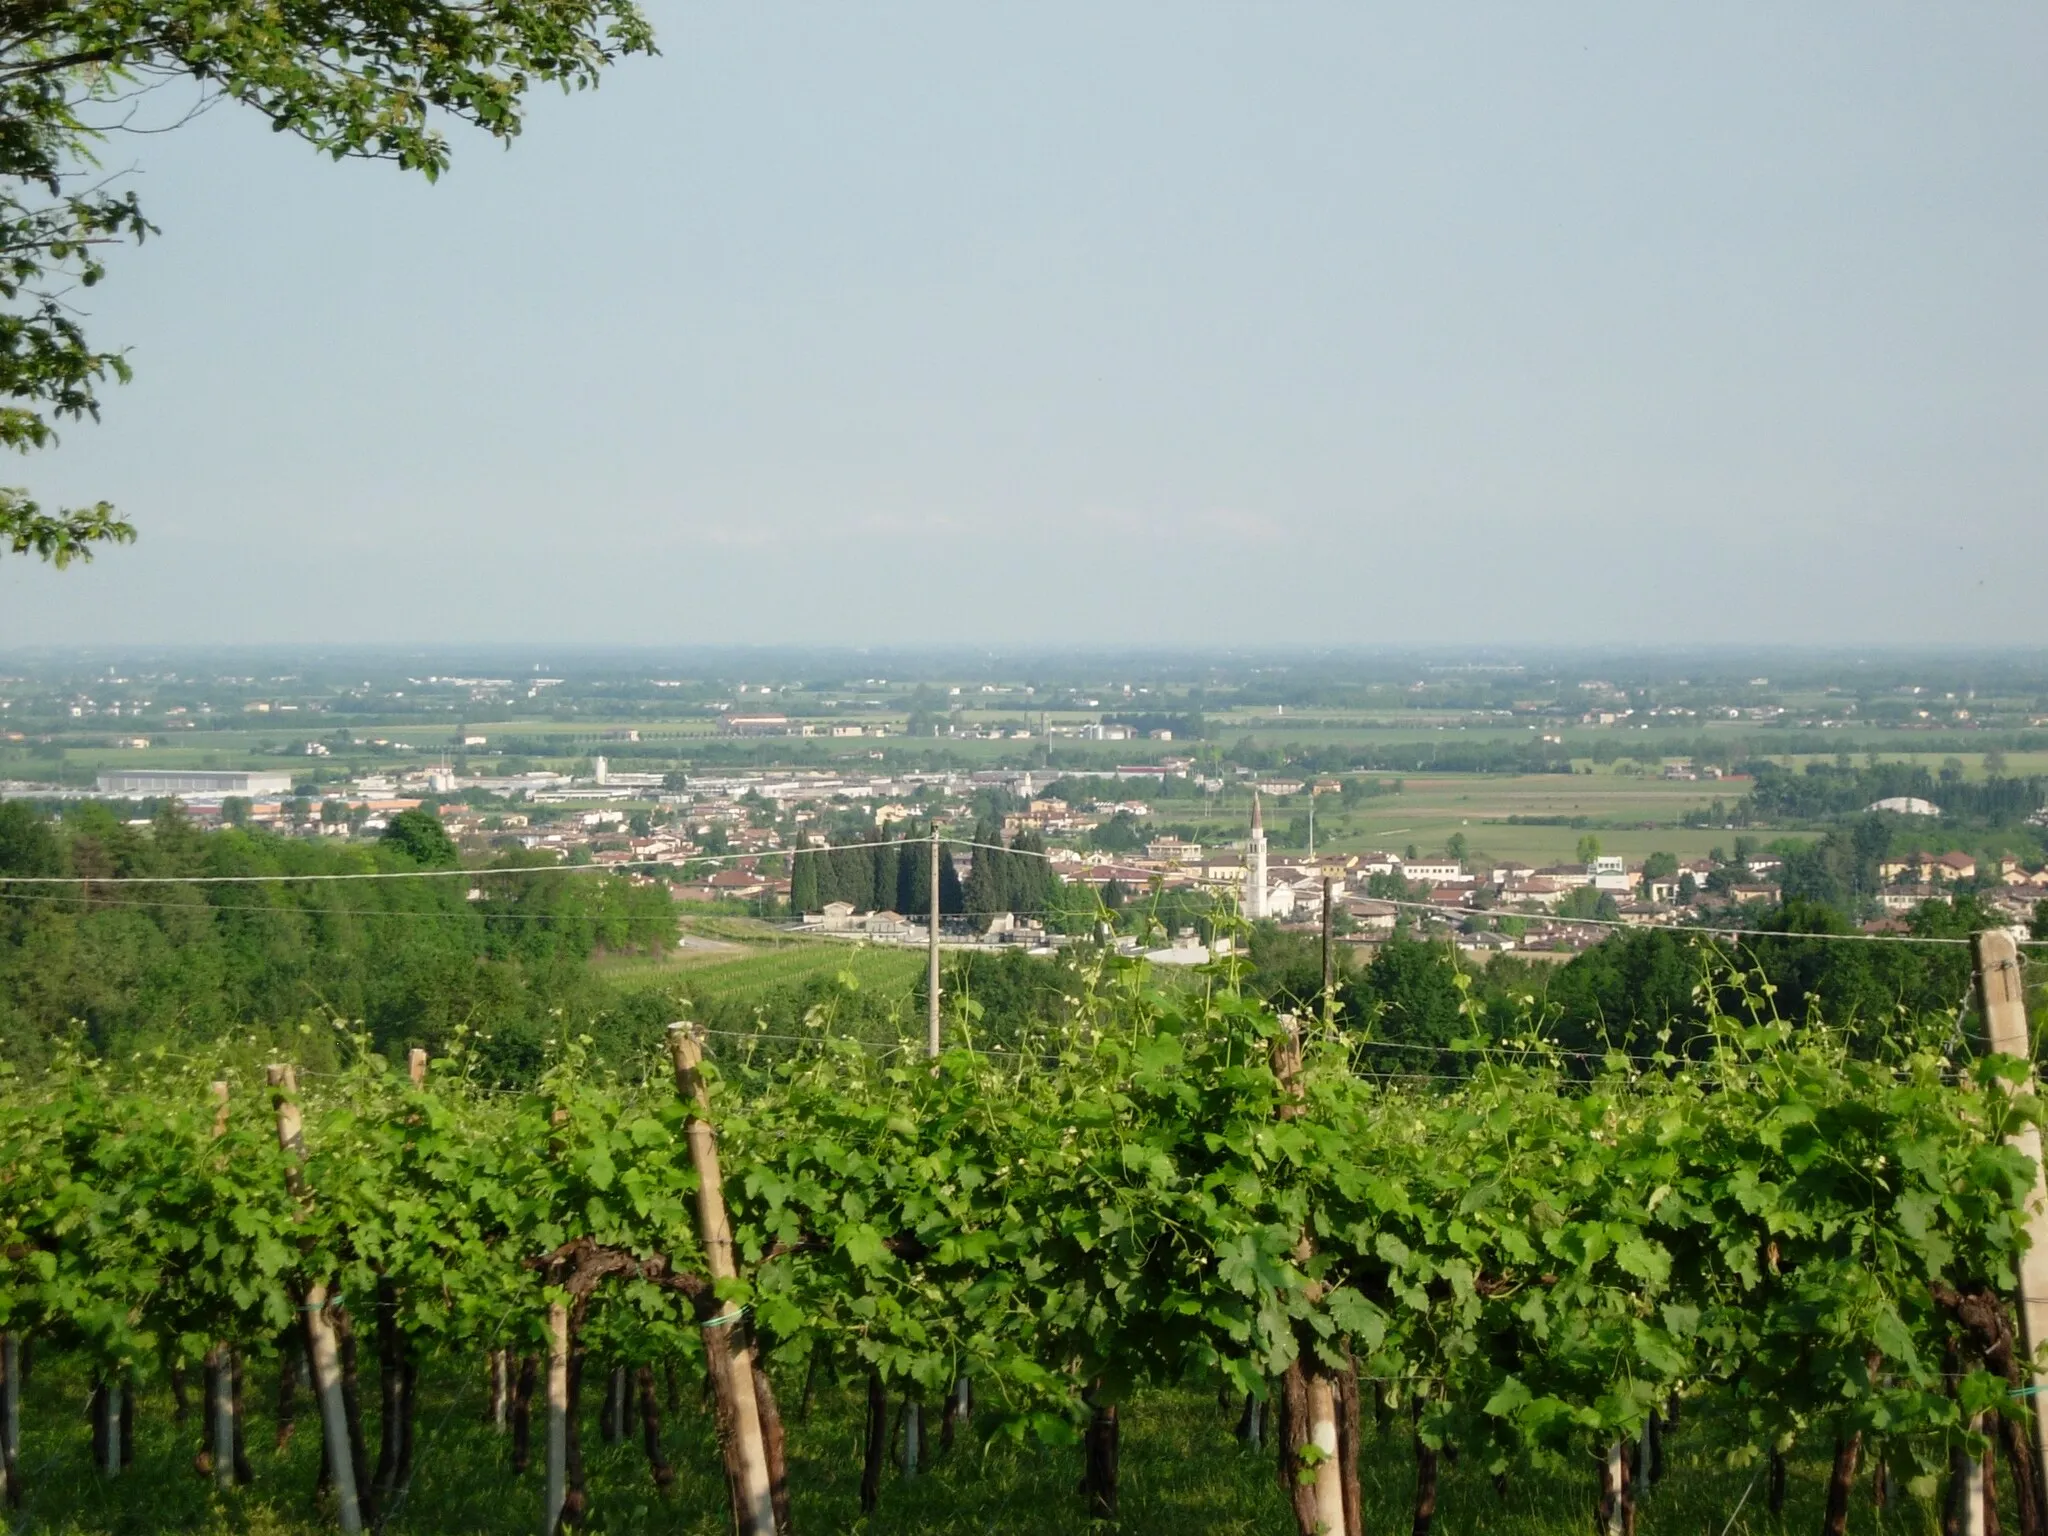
192,783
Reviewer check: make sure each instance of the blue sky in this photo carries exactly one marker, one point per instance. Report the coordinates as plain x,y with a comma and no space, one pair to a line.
1324,324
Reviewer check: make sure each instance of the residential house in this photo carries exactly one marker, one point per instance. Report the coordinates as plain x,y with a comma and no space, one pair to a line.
1372,916
1436,872
737,885
1954,866
1536,890
1904,898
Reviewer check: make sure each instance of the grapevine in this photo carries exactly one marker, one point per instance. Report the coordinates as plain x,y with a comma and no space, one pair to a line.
1536,1260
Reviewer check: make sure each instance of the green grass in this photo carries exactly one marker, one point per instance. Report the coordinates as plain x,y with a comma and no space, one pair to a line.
751,978
1183,1471
1432,807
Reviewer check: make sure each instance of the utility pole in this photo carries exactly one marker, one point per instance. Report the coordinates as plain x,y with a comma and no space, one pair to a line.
1329,1002
931,1003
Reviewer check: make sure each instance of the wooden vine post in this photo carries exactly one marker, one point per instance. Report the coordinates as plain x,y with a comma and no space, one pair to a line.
1320,1508
107,1429
321,1348
10,1417
1615,1506
501,1390
220,1394
728,1348
558,1416
2002,996
1329,959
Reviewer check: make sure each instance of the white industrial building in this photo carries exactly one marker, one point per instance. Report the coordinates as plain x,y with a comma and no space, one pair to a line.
192,783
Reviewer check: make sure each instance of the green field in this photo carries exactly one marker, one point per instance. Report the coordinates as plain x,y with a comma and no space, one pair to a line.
723,978
1431,808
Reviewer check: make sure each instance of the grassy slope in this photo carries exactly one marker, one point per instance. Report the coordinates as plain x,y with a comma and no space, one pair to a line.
720,976
1182,1472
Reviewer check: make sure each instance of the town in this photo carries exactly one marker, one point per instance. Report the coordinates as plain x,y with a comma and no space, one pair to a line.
1114,839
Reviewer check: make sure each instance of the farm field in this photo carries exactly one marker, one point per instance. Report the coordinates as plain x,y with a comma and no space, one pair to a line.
276,743
1183,1471
749,976
1431,808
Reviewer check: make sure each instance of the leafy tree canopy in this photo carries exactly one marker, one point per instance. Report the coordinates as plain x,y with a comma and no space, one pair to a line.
419,835
352,78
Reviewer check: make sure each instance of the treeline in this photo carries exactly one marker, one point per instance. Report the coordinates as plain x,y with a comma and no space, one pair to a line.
1422,1004
1840,869
1012,877
1003,1001
497,958
1418,1006
894,876
1500,755
1826,791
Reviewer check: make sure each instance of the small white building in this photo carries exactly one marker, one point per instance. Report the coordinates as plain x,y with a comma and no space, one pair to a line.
1435,872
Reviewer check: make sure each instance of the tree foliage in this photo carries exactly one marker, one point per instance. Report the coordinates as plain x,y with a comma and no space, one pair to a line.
893,875
1008,877
1835,791
116,967
352,78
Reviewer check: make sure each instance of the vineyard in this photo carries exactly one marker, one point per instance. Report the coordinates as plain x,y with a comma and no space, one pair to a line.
1175,1213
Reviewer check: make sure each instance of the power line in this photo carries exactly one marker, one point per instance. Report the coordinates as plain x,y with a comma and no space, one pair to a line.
470,873
461,872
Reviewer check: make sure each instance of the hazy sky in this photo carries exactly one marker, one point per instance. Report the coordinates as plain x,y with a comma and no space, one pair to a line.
874,323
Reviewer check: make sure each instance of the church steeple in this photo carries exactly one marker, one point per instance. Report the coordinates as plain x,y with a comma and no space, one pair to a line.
1255,866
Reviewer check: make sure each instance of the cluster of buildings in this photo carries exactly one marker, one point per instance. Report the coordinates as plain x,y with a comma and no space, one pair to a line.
578,818
2003,882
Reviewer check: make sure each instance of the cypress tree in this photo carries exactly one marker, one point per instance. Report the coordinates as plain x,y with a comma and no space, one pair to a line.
1036,886
828,877
914,876
803,883
952,901
985,890
976,894
855,869
888,875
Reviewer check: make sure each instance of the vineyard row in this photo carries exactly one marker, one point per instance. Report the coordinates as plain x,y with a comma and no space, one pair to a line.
1535,1263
